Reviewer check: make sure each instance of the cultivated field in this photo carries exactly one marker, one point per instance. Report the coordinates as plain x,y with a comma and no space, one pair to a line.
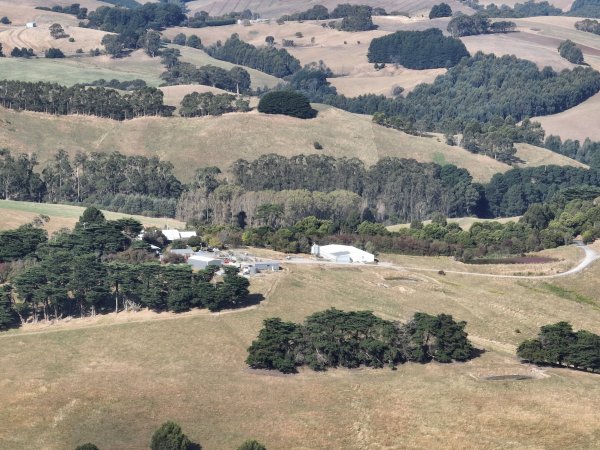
122,377
14,214
193,143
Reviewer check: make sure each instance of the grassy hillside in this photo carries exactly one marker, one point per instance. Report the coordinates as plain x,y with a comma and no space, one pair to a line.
193,143
15,214
121,377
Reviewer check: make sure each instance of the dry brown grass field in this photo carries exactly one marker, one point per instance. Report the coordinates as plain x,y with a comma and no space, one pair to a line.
14,214
193,143
580,122
121,377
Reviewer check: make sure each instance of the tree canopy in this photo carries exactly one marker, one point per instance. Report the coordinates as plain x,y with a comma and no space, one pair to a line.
288,103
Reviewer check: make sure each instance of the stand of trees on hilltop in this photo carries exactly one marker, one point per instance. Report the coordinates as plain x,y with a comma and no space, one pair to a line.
464,25
441,10
52,98
288,103
559,345
520,10
277,62
591,26
417,49
335,338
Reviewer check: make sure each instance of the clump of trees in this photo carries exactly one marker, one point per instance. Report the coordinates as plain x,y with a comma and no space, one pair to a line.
587,153
417,49
288,103
589,25
209,104
81,272
463,25
559,345
57,31
354,17
335,338
22,52
52,98
54,53
441,10
169,436
568,50
316,12
127,85
235,80
520,10
277,62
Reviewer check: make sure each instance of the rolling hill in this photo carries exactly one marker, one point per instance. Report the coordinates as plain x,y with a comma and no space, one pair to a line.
219,141
15,214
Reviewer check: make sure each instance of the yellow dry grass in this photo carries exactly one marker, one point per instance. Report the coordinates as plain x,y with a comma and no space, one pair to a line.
14,214
580,122
112,381
537,156
193,143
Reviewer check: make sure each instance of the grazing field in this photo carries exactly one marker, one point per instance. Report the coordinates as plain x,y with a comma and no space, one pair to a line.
15,214
83,69
536,156
199,142
122,377
580,122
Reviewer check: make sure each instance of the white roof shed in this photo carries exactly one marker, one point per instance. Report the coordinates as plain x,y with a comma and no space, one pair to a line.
342,253
202,261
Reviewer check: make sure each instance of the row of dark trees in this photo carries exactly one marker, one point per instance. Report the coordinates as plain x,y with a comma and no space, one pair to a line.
520,10
277,62
335,338
74,9
235,80
559,345
587,153
417,49
52,98
132,184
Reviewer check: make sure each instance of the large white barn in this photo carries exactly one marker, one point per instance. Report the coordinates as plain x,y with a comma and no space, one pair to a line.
175,235
342,253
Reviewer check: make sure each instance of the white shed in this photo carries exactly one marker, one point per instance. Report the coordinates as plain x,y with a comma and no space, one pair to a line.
31,24
175,235
200,261
342,253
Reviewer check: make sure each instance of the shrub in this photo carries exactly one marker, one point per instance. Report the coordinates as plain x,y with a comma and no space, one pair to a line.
288,103
252,445
170,437
570,52
317,146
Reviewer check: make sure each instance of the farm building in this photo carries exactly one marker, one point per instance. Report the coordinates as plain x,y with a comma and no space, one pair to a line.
342,253
266,265
202,261
31,24
175,235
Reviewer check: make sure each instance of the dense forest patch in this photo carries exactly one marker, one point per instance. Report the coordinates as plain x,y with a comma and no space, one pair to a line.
427,49
336,338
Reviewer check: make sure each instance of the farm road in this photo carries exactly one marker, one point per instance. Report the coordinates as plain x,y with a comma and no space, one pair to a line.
590,256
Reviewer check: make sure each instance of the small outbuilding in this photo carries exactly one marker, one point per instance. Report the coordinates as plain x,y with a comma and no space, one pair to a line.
187,252
202,261
342,253
31,24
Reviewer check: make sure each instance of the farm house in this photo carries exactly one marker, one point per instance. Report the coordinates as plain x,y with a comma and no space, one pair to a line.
342,253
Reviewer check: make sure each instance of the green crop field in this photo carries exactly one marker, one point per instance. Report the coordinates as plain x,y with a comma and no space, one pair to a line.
123,376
